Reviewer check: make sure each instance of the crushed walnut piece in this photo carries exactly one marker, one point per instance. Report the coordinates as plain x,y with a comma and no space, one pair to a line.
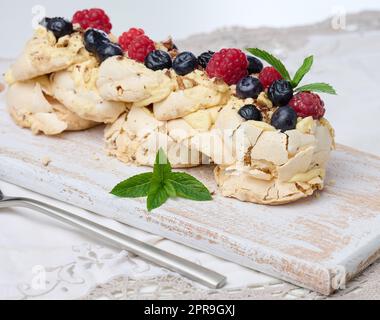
171,47
169,44
265,106
46,161
181,84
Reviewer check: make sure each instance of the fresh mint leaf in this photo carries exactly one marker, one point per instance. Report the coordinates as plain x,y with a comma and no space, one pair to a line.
162,166
298,77
302,71
170,189
186,186
135,187
272,60
317,87
161,185
157,196
159,191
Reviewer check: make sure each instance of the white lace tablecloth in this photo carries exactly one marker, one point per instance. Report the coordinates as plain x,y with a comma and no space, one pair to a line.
44,259
41,258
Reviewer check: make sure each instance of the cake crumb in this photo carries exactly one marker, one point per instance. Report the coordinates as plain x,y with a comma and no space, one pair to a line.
46,161
2,87
332,183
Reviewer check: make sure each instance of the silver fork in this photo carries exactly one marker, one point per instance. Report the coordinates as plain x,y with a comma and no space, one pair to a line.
184,267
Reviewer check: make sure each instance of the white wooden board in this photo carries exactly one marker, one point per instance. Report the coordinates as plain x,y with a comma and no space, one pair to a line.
319,243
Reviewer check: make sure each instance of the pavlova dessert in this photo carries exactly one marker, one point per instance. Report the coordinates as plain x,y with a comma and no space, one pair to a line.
265,134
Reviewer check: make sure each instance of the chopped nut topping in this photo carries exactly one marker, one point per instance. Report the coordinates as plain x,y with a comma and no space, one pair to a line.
46,161
181,84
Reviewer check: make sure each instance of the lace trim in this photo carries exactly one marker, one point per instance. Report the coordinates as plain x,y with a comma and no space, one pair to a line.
170,286
126,277
167,287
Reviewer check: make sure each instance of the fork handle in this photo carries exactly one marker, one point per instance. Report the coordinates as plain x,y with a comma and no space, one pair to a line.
160,257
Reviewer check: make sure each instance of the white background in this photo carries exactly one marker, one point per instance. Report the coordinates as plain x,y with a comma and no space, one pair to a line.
178,18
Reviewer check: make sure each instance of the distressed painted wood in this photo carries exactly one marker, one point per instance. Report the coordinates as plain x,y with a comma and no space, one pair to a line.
319,243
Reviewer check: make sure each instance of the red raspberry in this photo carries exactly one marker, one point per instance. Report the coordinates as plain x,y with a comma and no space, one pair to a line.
140,47
268,76
93,18
231,65
127,37
308,104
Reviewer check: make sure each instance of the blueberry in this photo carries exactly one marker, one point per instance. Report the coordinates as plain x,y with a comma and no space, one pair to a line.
255,65
185,63
158,60
94,38
249,87
108,50
59,26
205,58
280,93
44,22
250,112
284,119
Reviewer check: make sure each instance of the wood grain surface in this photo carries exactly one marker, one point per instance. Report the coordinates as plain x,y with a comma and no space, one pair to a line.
319,243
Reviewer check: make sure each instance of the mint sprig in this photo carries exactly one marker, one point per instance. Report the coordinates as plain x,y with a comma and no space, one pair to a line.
317,87
187,187
157,196
302,71
162,184
298,77
272,60
135,187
